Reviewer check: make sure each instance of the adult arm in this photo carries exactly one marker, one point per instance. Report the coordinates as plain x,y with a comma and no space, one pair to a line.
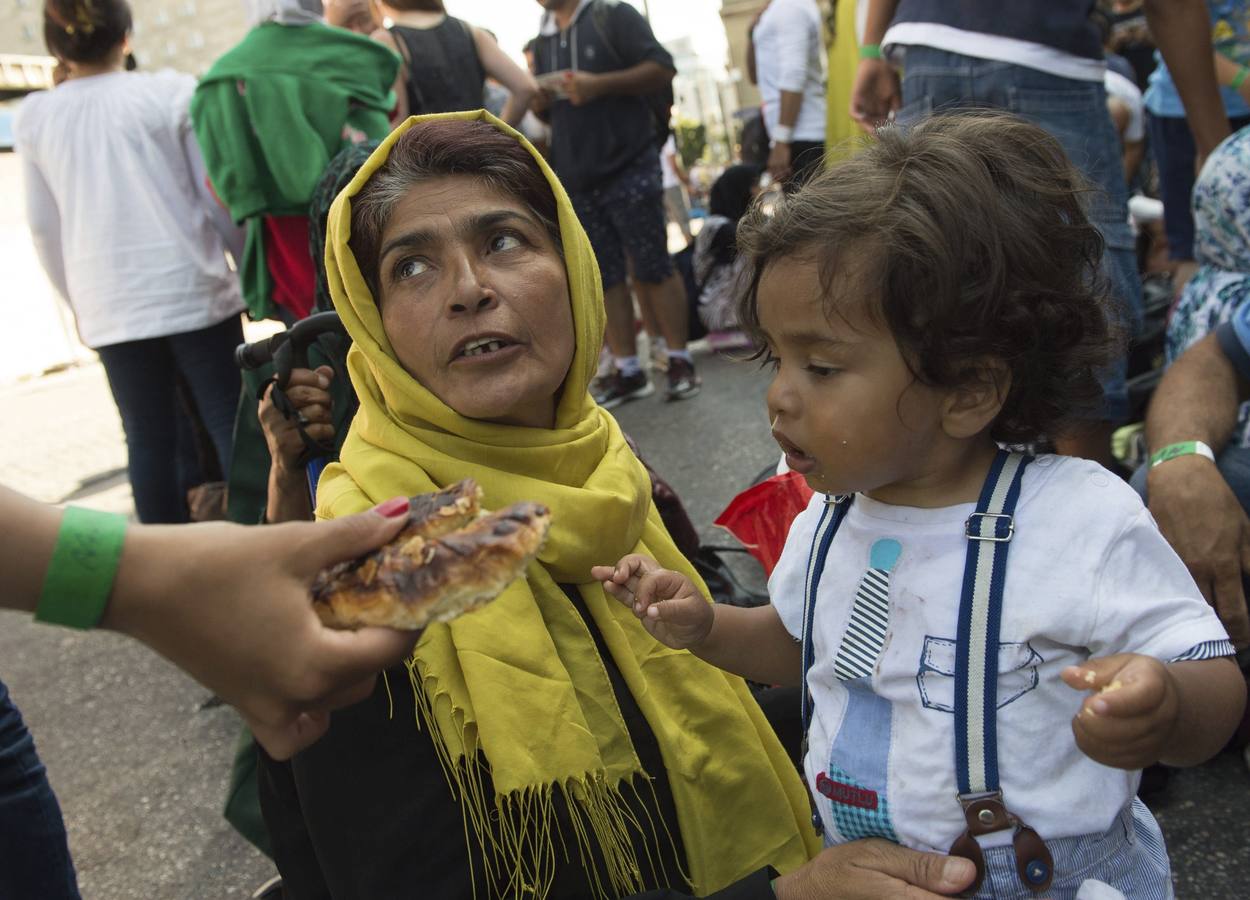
230,606
384,37
1195,508
498,65
876,92
645,66
1227,70
795,36
308,393
44,220
869,869
1182,32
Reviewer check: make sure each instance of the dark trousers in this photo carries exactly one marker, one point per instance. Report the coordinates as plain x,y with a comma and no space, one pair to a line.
144,377
34,852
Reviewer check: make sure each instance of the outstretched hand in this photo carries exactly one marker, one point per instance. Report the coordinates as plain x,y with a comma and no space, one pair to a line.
667,603
1132,712
231,606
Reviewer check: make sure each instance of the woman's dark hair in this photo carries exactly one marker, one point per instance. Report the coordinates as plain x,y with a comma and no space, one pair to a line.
731,193
968,237
85,31
435,149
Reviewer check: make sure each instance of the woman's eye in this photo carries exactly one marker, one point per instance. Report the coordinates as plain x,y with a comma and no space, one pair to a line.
410,268
505,241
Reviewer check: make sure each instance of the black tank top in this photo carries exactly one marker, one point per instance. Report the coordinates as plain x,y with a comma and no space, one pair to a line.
444,73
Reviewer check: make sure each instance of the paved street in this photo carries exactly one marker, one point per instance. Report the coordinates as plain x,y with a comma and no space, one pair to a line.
141,768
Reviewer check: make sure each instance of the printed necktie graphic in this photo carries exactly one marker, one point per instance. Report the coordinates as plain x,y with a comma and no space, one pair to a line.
870,616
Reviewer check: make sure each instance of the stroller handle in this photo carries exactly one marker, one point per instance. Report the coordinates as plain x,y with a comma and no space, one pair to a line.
288,349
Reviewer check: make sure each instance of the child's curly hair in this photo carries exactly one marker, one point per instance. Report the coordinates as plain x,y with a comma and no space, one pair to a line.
968,231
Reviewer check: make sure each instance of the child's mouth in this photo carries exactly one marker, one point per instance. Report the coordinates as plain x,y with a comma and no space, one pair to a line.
796,459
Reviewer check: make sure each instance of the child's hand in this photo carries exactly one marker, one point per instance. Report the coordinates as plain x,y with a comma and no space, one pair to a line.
668,603
1129,719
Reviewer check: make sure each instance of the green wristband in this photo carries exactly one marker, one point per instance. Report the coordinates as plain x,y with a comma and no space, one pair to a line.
870,51
1184,448
1239,78
84,563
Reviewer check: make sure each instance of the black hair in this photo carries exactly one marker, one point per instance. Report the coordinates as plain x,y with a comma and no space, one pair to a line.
85,31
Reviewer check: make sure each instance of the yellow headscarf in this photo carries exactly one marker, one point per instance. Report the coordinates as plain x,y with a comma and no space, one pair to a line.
520,683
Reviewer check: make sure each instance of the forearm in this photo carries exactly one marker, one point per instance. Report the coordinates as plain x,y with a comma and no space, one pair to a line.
287,499
877,23
791,102
26,550
1211,696
752,643
514,108
1134,152
1197,399
645,78
1182,32
1226,72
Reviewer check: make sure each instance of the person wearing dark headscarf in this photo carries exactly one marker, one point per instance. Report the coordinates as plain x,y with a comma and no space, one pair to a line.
716,266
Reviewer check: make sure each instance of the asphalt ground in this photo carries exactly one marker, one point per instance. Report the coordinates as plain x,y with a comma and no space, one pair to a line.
140,764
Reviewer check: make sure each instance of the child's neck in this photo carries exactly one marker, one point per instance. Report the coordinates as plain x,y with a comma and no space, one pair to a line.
947,477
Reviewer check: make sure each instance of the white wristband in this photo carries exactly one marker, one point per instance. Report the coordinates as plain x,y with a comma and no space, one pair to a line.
783,134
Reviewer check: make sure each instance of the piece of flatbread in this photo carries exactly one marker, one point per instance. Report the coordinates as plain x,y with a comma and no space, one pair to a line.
448,559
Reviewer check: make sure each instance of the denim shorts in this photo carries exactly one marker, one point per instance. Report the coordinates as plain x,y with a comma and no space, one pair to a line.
1075,113
625,215
1130,857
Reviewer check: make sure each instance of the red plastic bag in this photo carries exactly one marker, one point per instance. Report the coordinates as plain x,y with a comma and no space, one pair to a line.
760,517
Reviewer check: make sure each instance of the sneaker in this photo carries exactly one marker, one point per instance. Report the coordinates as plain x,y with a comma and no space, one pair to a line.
683,383
617,389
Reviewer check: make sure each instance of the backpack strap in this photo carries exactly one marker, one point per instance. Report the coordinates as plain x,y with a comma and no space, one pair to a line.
989,531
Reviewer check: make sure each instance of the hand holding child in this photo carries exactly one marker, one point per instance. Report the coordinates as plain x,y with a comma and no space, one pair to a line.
1129,720
667,603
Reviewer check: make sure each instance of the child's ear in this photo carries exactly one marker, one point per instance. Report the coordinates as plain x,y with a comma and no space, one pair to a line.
973,406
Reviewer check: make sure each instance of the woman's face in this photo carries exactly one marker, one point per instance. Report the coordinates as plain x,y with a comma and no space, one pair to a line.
475,301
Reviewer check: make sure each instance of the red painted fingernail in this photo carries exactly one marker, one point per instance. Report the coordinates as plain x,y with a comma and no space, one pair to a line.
393,508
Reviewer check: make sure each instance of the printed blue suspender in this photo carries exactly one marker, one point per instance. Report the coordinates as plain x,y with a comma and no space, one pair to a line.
989,531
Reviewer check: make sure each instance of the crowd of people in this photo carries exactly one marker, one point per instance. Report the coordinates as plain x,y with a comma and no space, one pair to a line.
947,317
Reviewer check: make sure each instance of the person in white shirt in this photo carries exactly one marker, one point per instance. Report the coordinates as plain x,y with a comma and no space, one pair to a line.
922,303
676,182
1128,114
131,236
785,59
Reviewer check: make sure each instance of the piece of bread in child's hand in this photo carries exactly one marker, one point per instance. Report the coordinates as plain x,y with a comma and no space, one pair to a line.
448,559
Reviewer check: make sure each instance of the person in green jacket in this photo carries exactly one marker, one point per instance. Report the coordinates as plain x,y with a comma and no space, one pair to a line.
269,115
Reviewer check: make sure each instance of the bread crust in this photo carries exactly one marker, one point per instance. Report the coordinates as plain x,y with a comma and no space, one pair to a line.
447,560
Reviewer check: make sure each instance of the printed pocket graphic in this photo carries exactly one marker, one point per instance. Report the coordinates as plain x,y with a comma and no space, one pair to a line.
1017,673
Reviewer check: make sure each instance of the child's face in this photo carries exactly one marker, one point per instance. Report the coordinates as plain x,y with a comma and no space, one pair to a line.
844,406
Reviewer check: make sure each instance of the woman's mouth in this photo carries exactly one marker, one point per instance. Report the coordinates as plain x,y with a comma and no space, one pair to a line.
489,349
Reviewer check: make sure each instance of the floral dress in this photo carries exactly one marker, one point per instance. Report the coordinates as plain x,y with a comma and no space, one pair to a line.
1221,204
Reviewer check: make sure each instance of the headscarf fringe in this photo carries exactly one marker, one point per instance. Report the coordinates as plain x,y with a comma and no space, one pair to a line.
518,833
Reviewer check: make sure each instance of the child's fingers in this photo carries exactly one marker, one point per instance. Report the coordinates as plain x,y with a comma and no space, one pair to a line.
1095,674
633,566
602,573
1126,699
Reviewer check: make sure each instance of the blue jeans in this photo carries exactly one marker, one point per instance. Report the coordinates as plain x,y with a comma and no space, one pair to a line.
142,375
1075,113
34,853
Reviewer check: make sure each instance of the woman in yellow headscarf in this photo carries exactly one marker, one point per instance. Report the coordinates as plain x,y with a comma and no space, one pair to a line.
558,750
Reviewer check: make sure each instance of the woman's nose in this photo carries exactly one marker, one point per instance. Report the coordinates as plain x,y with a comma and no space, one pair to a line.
470,292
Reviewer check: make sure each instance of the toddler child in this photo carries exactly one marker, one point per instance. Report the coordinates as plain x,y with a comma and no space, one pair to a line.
944,602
